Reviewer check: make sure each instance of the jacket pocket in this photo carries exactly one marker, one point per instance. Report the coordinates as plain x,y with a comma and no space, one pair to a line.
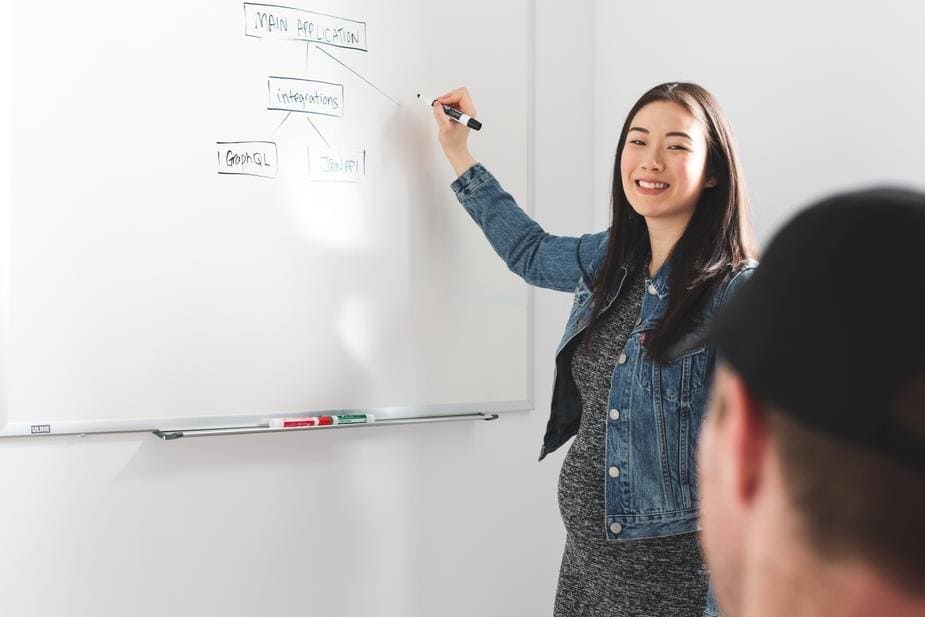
676,381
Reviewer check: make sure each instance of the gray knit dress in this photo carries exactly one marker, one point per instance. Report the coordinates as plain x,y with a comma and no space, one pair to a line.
599,578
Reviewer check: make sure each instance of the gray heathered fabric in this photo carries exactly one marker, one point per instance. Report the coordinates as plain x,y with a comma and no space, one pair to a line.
598,578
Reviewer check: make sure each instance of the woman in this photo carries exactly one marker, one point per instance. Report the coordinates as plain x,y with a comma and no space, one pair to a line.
631,378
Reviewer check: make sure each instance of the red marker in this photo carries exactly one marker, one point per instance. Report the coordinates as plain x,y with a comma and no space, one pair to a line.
301,422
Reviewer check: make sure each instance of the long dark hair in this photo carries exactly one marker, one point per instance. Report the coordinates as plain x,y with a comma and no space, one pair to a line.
718,237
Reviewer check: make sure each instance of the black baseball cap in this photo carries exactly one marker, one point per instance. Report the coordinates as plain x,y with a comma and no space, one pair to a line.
830,329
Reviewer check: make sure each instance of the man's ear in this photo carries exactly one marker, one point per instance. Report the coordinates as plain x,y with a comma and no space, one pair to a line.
749,435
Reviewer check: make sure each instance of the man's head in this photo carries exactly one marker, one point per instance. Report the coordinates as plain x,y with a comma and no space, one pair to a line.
814,447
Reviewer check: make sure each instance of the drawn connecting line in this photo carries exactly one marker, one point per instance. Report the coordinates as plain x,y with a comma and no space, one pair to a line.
358,75
307,96
309,118
282,122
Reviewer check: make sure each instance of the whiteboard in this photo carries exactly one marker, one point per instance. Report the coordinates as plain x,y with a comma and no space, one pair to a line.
227,211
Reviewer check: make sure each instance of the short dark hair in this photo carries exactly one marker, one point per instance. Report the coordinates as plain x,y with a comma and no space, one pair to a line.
852,501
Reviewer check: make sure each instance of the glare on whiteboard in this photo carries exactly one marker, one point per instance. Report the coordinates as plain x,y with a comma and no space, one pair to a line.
331,215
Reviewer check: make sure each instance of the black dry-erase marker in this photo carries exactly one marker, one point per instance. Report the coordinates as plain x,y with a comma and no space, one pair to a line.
454,113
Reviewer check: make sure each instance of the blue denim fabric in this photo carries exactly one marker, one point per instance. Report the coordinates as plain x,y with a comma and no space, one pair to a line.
712,609
650,469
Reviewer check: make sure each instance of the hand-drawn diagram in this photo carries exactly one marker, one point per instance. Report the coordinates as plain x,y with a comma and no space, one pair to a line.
248,158
301,95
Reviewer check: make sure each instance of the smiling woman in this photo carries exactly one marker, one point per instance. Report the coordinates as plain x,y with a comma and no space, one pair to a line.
629,385
692,208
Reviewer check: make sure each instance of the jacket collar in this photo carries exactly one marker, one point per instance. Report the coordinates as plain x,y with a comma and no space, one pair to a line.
640,259
660,281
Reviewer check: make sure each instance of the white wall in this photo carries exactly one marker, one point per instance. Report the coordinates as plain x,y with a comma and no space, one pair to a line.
6,68
822,96
453,519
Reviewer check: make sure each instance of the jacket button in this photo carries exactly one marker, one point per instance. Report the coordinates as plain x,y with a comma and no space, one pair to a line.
653,289
621,359
614,472
614,414
616,528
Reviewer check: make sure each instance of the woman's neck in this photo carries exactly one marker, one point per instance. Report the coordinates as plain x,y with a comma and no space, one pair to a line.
663,235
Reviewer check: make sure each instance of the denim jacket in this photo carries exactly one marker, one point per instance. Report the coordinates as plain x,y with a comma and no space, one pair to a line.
655,411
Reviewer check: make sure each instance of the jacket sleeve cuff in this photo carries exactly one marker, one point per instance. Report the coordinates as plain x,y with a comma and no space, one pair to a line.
470,181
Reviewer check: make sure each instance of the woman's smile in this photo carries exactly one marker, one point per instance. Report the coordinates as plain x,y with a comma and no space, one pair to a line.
650,187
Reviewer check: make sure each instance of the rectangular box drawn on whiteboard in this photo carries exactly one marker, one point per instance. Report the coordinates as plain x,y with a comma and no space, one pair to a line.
247,158
306,96
286,23
338,166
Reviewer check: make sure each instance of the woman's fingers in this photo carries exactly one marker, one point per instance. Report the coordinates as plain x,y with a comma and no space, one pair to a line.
460,99
443,121
453,136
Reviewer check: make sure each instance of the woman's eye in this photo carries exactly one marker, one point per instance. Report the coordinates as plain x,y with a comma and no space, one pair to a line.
676,147
637,142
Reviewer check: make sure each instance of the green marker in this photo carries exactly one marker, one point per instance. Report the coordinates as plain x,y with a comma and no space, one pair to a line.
356,418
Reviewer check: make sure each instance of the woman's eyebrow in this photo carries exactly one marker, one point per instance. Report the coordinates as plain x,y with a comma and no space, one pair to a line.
668,134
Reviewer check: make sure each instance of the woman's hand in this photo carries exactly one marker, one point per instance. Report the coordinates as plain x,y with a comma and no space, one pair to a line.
453,136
